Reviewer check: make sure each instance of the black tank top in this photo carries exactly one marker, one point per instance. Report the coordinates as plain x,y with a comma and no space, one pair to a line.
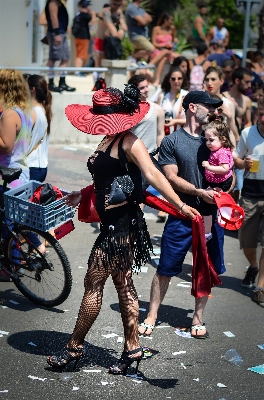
105,168
62,17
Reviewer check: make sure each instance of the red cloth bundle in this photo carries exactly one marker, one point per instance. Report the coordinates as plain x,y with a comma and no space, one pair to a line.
204,276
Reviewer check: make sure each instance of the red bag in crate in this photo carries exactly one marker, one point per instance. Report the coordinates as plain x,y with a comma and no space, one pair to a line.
46,194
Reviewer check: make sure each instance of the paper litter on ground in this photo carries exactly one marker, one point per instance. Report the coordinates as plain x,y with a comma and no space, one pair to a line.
259,369
109,335
142,309
120,339
136,380
178,352
92,370
196,379
4,307
4,333
183,366
107,383
134,376
260,346
13,301
221,385
3,391
75,388
37,378
182,332
183,285
162,326
229,334
32,344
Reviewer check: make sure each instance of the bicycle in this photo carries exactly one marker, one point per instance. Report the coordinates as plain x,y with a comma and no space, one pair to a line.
45,279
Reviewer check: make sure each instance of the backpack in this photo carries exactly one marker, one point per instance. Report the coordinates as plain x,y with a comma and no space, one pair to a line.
76,25
197,77
113,48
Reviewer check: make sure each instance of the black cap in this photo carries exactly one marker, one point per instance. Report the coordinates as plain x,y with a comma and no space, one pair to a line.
198,96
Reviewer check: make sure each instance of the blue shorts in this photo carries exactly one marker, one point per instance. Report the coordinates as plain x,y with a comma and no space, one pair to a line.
239,179
176,241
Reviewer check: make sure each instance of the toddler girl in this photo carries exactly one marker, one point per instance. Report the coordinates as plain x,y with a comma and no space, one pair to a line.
218,168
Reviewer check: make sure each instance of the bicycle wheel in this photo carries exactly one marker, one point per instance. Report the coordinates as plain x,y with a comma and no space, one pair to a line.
45,279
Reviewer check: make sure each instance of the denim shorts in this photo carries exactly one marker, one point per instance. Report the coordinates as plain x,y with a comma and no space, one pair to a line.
176,241
61,52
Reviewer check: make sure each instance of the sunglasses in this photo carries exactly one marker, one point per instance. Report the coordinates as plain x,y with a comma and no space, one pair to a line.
175,79
227,71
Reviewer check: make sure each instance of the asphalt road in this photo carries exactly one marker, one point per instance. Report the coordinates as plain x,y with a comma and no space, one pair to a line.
194,374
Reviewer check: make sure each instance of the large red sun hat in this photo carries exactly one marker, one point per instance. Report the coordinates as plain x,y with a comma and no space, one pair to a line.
112,111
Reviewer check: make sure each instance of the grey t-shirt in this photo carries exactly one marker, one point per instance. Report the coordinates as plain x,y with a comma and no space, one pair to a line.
134,29
187,152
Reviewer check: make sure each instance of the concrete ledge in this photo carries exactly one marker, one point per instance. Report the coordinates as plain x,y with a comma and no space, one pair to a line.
62,131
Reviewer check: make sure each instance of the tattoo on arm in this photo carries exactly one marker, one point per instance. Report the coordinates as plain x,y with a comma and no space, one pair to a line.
107,16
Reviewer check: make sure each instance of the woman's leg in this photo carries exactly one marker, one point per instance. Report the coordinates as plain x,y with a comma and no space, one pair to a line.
128,302
94,282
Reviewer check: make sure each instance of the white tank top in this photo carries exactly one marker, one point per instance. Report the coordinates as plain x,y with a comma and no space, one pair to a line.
39,157
146,130
219,35
176,110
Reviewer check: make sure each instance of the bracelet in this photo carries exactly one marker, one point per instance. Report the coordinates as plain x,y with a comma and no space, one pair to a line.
183,204
56,31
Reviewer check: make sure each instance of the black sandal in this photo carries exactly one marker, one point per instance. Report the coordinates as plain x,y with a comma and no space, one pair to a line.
125,361
65,357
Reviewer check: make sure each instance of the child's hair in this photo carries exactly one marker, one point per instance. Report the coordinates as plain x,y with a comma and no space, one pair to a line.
221,129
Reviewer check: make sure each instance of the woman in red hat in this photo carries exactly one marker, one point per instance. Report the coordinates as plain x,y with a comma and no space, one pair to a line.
124,240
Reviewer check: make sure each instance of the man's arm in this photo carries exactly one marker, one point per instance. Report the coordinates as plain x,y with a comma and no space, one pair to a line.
53,10
106,14
160,124
226,40
180,184
123,24
210,34
198,23
143,20
247,116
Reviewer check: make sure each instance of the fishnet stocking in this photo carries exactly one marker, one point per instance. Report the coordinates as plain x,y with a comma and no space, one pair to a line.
91,304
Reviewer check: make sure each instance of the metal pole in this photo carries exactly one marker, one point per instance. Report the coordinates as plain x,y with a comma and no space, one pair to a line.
246,29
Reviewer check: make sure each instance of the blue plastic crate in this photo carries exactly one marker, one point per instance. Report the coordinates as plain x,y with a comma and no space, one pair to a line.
19,209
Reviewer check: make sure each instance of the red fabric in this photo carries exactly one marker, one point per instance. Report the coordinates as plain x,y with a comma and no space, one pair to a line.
237,213
37,193
204,276
87,211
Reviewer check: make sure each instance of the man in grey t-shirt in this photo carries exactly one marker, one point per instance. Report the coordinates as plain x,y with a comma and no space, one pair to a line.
181,155
137,20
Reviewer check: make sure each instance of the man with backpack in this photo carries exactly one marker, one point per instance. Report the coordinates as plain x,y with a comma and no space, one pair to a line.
81,33
198,66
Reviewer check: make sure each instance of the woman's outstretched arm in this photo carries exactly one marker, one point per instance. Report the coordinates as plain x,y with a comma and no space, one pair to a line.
137,152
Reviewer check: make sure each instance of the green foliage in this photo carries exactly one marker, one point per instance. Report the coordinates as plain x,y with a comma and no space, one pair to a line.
127,47
183,44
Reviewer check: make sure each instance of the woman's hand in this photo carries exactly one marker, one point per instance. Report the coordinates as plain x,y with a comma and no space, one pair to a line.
189,211
73,199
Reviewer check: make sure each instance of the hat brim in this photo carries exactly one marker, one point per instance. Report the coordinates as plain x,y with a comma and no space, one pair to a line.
215,103
86,120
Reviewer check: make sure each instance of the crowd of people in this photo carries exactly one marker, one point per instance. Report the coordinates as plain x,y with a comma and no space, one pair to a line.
202,120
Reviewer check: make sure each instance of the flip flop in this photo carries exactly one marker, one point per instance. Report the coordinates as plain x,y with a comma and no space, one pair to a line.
146,326
199,328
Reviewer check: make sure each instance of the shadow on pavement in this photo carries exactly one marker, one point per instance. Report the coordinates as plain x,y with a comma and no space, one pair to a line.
174,316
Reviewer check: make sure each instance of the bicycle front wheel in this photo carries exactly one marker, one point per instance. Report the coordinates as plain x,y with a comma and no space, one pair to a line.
45,279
